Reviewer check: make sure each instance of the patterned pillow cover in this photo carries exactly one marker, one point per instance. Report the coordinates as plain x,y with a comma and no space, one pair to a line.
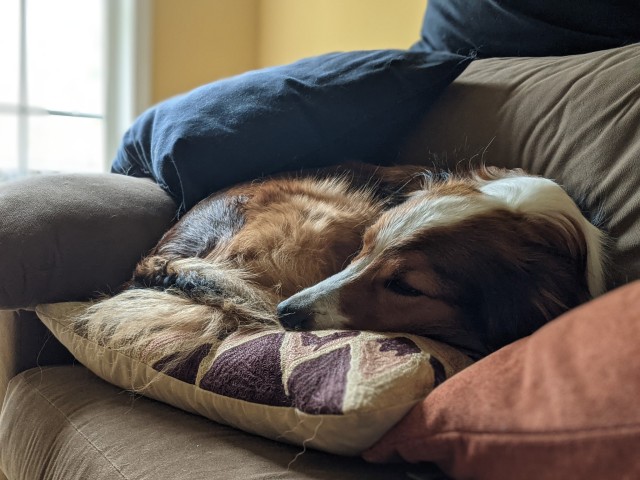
336,391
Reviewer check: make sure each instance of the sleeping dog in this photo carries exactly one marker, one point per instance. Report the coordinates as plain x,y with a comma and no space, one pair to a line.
475,260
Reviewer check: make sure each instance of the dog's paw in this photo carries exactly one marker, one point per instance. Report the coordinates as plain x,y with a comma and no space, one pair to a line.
152,272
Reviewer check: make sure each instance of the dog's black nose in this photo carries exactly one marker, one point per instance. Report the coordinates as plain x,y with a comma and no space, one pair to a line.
292,317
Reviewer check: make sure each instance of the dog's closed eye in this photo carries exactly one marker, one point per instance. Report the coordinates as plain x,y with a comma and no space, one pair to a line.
401,287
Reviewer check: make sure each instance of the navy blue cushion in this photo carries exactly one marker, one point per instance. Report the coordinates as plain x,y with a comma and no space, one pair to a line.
517,28
313,113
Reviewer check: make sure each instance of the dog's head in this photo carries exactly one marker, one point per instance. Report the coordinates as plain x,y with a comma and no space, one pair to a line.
477,262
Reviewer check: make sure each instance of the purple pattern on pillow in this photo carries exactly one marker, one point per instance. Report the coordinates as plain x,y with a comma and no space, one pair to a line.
309,338
318,385
254,369
401,345
250,371
186,370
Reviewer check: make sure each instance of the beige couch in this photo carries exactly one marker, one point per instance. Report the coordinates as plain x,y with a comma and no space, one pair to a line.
574,119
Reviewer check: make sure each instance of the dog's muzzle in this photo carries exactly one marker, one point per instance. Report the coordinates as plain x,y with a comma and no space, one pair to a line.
292,316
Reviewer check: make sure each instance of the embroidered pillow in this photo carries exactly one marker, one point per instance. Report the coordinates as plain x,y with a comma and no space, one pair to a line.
336,391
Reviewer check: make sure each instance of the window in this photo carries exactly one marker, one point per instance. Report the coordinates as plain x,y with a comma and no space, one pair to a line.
73,81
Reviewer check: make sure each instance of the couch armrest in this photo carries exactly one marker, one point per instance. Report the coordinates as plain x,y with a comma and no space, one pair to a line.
26,343
69,237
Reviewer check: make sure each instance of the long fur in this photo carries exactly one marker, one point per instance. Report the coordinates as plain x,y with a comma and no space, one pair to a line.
230,260
500,254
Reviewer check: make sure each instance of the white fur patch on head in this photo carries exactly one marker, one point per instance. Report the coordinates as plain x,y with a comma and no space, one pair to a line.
529,194
419,212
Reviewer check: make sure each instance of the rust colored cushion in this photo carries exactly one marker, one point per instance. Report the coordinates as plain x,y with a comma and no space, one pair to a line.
562,403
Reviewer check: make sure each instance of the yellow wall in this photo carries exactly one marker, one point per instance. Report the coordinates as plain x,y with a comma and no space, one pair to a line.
293,29
198,41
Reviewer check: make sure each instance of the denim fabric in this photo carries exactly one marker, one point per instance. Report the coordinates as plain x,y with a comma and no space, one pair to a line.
517,28
316,112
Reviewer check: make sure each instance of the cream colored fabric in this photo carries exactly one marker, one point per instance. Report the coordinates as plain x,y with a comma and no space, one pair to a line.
383,376
64,423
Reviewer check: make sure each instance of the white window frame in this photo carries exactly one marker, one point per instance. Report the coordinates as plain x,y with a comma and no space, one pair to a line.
127,55
128,67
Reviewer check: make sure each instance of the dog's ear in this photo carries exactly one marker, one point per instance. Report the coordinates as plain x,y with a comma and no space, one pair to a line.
510,305
539,276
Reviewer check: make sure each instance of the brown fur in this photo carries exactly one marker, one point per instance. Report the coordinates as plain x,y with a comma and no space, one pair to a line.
231,259
500,276
477,283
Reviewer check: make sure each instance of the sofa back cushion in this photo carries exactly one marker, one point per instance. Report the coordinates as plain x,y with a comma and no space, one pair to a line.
574,119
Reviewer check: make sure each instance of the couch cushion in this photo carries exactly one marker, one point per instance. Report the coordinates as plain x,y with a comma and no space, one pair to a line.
573,119
66,237
502,28
316,112
49,430
25,343
337,391
562,403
